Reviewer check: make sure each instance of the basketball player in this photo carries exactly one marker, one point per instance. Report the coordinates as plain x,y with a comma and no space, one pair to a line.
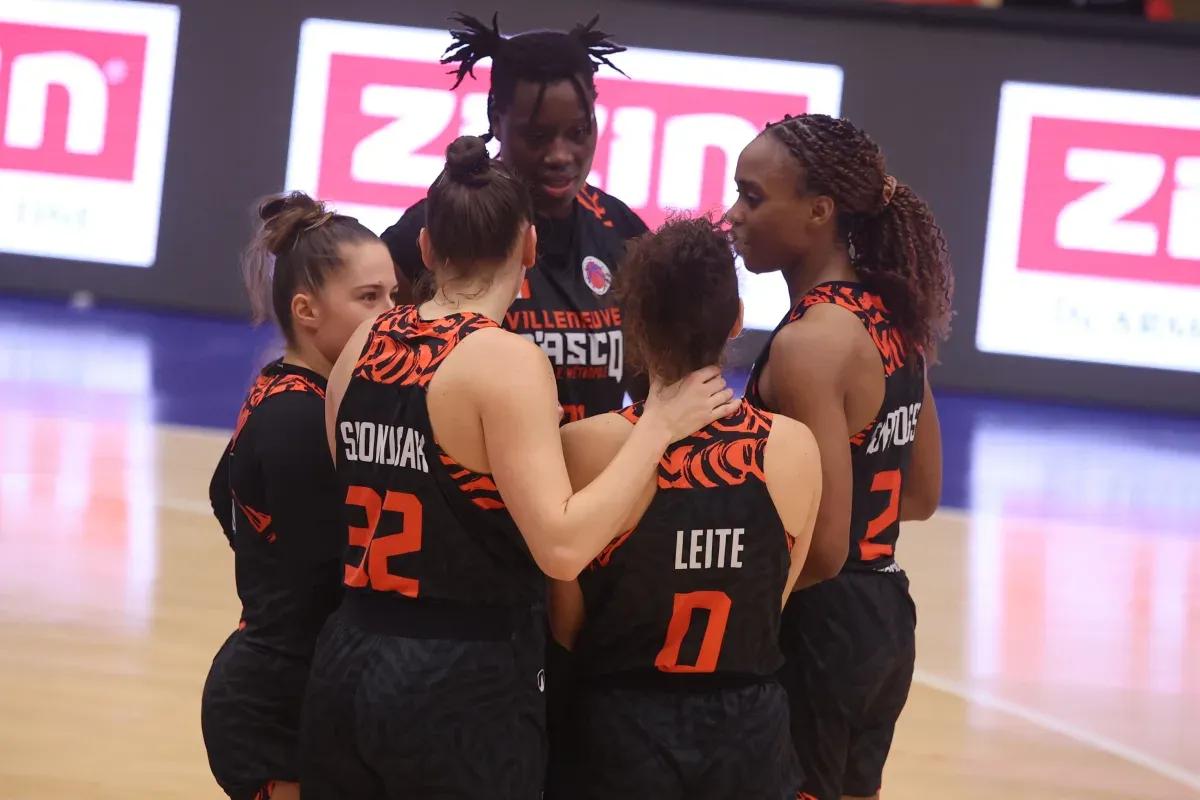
320,275
680,614
444,428
541,107
870,283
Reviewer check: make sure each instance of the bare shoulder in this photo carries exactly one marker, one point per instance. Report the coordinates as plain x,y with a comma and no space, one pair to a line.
793,438
494,355
792,467
825,330
828,340
589,445
491,344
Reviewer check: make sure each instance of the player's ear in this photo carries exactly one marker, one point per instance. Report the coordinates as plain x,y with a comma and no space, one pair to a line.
426,245
529,247
305,313
737,325
822,210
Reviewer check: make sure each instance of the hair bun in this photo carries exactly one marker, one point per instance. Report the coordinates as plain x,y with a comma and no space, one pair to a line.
468,161
284,217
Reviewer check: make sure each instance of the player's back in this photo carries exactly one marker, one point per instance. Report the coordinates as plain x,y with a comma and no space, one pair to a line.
421,525
880,452
443,618
696,586
680,639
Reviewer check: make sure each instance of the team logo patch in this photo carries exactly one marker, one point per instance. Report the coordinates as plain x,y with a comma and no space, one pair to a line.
597,275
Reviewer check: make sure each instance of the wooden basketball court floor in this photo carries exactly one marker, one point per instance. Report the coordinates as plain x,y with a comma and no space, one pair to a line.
1058,590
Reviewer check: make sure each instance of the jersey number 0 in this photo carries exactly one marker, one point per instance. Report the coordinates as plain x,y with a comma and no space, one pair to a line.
717,604
379,547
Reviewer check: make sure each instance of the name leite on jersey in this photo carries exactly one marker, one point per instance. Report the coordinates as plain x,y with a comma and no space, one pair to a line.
390,445
707,548
898,428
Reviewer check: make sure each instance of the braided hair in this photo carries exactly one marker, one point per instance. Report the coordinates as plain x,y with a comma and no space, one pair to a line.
896,247
541,57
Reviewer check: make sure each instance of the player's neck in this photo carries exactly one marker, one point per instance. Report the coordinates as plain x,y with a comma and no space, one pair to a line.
816,269
307,357
491,299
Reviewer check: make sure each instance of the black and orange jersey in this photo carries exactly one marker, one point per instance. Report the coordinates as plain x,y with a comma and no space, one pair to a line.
277,499
566,304
880,452
697,585
420,524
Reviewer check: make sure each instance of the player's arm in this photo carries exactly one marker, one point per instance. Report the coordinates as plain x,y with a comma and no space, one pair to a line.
792,464
401,241
339,379
302,493
219,495
922,490
589,446
516,397
809,363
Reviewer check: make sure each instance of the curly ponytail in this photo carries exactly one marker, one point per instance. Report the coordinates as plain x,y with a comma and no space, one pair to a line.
896,247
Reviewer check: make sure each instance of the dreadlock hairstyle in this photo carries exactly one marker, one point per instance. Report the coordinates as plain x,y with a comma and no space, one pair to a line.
896,247
541,57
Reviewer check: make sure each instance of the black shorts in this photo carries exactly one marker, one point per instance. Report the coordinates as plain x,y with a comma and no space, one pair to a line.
850,647
717,744
250,717
390,716
560,695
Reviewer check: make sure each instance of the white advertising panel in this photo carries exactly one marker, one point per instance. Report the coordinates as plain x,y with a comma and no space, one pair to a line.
85,104
373,115
1093,240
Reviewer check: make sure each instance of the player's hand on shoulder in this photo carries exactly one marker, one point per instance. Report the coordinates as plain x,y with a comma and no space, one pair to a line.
686,406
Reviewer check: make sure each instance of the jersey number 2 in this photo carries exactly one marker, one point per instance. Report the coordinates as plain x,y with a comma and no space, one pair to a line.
717,604
379,547
887,481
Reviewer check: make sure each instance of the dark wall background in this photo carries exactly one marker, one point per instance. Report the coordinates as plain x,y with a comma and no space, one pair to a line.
925,82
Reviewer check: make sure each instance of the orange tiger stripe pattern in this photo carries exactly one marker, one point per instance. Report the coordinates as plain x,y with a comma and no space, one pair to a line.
258,520
860,438
404,349
728,452
268,386
871,310
591,201
479,488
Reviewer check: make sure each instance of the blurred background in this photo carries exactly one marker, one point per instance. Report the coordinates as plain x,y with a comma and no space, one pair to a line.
1057,141
130,179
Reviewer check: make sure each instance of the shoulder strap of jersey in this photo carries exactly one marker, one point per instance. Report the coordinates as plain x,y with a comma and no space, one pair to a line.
269,384
869,309
404,349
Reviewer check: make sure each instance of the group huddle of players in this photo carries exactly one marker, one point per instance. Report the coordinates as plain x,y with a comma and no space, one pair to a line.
505,585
